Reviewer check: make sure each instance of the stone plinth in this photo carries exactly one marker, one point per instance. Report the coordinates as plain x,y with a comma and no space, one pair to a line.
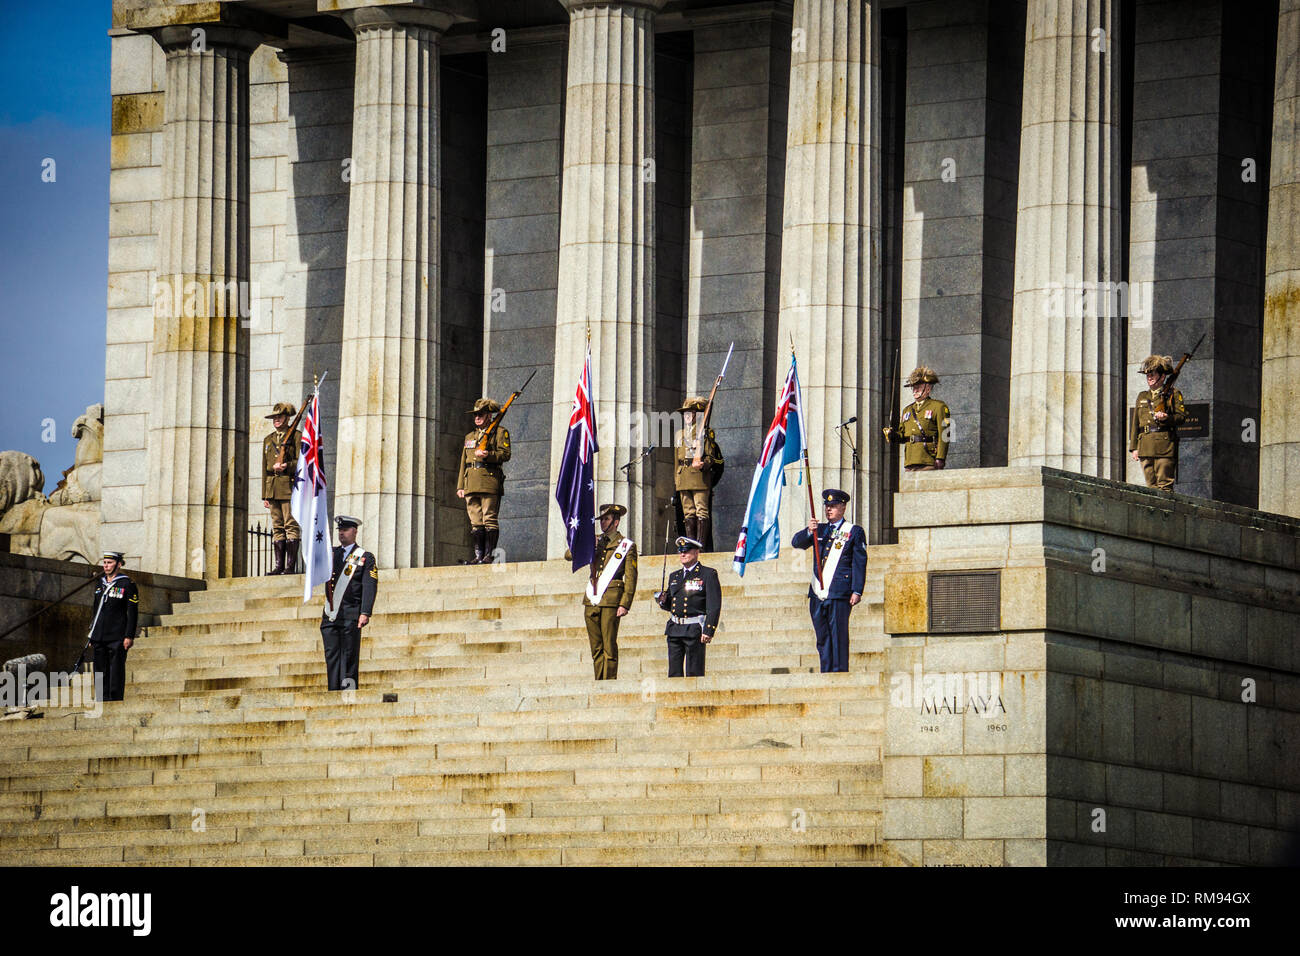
1136,697
1279,453
1066,347
29,583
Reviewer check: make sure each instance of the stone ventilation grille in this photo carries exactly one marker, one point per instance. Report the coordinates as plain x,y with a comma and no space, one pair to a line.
965,601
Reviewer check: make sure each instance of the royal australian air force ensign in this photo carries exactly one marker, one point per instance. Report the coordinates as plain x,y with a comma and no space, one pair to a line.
611,568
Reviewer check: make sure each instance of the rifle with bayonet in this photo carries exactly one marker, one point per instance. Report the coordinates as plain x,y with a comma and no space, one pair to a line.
282,445
492,425
1160,401
891,426
702,429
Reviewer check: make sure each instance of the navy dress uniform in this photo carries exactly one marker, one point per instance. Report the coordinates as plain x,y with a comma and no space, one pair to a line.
355,572
117,607
844,571
693,601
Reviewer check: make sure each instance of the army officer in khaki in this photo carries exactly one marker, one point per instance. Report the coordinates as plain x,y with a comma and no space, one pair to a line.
924,425
482,482
1153,430
609,593
277,487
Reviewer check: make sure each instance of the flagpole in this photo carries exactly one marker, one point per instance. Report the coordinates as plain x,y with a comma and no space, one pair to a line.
807,479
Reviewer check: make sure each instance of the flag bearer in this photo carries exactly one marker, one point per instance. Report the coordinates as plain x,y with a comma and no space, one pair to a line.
844,571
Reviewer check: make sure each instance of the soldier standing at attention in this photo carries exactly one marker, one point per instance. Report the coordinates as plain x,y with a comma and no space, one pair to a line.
1153,430
277,487
699,461
694,604
924,425
482,482
844,573
117,606
609,593
349,602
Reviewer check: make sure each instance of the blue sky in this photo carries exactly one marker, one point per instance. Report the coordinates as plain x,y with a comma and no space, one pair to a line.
54,103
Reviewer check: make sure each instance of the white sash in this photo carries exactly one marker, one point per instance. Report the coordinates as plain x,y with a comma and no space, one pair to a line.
353,561
839,544
607,575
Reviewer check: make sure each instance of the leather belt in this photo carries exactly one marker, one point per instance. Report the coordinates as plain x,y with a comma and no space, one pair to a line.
1156,428
921,439
698,619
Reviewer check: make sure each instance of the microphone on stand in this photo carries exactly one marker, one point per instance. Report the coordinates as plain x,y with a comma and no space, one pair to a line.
849,422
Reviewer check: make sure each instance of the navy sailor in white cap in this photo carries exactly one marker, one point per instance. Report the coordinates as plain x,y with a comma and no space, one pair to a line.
112,632
844,574
694,604
349,602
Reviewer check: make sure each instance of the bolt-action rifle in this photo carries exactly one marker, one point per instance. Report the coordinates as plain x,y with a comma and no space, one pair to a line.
492,425
702,426
1160,401
283,444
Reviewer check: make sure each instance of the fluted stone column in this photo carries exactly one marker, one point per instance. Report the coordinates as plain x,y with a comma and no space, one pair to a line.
607,240
830,248
1067,361
387,412
1279,453
196,511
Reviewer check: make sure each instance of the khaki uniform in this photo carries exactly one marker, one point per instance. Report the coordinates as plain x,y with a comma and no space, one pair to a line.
1157,442
695,485
482,479
277,488
921,431
602,619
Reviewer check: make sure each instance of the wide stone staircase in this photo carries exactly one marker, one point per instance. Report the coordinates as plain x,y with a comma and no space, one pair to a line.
477,735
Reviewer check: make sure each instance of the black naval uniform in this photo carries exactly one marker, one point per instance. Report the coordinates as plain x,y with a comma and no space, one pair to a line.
694,599
118,604
342,636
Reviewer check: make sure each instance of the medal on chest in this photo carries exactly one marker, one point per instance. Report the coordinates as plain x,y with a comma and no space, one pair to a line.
694,584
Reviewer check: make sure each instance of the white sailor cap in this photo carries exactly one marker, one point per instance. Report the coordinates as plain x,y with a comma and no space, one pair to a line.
685,544
345,521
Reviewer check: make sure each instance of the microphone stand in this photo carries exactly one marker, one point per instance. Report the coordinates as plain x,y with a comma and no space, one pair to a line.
627,469
847,439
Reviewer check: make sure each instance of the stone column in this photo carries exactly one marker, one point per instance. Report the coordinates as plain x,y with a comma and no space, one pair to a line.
387,411
607,240
964,67
1067,361
196,510
737,171
1279,453
830,261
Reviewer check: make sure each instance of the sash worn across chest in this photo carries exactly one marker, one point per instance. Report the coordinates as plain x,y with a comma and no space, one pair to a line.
611,567
839,544
350,565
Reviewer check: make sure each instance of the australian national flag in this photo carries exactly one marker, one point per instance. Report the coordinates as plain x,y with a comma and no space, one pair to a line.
309,505
760,538
575,491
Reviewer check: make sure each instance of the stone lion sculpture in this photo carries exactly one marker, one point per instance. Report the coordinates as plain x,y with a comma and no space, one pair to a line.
65,525
20,479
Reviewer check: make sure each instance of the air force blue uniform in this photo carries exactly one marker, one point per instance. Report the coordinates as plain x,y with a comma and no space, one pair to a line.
830,618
